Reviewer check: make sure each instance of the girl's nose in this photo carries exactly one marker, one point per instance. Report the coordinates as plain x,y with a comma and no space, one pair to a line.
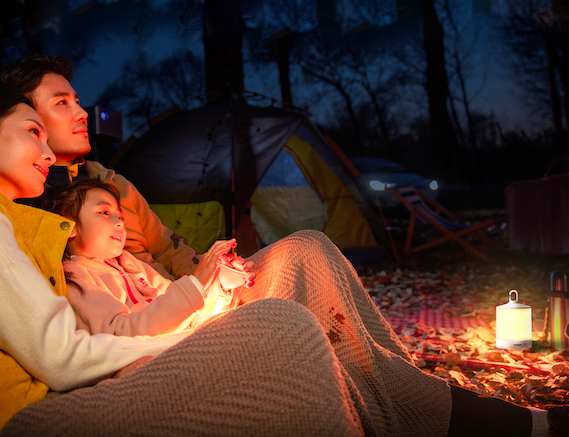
119,222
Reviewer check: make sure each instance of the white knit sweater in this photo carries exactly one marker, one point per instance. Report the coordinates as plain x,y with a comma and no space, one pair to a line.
38,328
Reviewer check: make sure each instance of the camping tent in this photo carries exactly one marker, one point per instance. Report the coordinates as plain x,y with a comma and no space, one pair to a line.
201,169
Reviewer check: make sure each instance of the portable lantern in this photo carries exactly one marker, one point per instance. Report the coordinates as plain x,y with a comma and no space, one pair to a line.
513,324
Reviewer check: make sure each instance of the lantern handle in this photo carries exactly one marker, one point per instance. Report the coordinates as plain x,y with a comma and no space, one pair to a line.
510,295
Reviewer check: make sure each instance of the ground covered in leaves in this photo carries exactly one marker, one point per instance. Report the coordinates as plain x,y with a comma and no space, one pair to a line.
452,281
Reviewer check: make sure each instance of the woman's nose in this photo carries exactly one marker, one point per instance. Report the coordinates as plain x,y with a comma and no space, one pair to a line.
48,155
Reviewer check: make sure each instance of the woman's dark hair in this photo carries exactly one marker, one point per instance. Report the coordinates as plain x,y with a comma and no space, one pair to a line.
67,200
25,74
9,100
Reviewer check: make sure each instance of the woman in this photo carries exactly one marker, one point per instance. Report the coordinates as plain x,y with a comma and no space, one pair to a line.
270,367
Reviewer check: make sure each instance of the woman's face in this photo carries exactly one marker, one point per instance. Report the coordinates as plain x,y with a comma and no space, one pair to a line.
25,157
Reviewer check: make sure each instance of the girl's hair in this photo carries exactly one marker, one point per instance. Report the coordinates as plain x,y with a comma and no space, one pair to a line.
67,200
9,100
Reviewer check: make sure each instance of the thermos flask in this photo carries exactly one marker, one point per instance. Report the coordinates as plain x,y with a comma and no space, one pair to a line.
559,310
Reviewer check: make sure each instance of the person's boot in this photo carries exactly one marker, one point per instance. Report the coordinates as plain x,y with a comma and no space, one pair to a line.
558,421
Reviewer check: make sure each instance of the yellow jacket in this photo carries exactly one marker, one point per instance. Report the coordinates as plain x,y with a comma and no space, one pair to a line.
42,236
38,333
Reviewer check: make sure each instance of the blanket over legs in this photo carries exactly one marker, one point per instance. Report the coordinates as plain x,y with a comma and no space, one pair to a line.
393,396
270,367
264,369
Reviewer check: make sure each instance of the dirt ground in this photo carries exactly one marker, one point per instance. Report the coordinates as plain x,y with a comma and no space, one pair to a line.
452,281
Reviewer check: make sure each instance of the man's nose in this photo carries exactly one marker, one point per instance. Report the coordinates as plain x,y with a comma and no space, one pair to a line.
81,114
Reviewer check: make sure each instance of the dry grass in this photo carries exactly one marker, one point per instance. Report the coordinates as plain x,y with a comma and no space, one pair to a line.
458,284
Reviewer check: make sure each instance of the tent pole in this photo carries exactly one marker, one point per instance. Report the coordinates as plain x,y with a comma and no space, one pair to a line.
232,173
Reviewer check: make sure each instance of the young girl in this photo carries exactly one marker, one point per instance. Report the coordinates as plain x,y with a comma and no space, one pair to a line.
113,292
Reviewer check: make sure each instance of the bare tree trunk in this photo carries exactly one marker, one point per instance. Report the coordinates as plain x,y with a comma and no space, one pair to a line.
223,49
443,138
349,105
353,118
380,111
283,62
554,93
457,126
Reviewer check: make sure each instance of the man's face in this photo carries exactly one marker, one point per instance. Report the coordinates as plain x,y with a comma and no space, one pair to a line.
65,120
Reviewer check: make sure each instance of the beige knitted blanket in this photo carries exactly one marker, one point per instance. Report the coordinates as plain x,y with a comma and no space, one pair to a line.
268,368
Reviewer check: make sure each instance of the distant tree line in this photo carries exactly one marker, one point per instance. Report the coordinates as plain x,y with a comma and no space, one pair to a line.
400,76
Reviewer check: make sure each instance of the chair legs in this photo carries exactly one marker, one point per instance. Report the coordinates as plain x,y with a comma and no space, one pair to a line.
455,236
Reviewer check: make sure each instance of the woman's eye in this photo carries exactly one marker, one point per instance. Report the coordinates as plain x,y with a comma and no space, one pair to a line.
36,132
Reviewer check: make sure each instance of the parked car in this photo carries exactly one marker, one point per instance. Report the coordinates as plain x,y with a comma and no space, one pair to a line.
379,174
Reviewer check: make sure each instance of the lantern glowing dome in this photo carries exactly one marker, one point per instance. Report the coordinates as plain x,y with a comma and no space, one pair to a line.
513,324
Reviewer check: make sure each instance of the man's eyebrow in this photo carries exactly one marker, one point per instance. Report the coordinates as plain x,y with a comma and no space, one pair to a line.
64,94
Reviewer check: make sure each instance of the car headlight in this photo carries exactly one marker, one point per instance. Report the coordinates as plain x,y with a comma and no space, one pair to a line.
434,185
377,185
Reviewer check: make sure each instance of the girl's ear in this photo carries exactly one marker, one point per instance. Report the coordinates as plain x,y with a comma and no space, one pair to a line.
73,232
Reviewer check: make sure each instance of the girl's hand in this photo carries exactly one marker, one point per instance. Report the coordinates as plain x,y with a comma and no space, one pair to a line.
205,271
235,272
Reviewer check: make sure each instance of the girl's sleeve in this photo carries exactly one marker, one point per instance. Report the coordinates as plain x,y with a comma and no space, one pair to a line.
38,328
99,311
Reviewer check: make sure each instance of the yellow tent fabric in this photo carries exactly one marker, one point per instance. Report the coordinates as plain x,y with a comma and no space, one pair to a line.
346,226
204,223
280,211
199,223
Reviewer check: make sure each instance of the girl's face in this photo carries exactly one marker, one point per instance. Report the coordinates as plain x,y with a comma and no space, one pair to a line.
100,231
25,157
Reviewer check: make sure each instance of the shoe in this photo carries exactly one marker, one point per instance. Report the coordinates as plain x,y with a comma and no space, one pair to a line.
558,421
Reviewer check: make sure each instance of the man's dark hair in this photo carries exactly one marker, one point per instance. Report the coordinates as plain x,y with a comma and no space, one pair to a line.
25,74
9,100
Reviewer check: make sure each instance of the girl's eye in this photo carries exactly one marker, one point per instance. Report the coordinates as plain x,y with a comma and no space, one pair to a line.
105,212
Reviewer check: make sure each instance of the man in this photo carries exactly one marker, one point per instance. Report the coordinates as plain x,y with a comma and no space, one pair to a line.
46,80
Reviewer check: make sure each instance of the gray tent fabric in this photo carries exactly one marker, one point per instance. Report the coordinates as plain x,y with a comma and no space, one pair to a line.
186,157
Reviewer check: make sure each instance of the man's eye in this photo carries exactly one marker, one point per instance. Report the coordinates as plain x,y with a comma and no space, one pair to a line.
62,102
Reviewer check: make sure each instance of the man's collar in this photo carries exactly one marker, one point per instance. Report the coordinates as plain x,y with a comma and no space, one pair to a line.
73,169
60,174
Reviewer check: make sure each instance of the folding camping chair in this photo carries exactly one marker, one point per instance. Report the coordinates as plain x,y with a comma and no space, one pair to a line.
429,211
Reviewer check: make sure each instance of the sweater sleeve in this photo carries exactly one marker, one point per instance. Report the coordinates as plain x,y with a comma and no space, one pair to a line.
99,311
149,240
38,328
